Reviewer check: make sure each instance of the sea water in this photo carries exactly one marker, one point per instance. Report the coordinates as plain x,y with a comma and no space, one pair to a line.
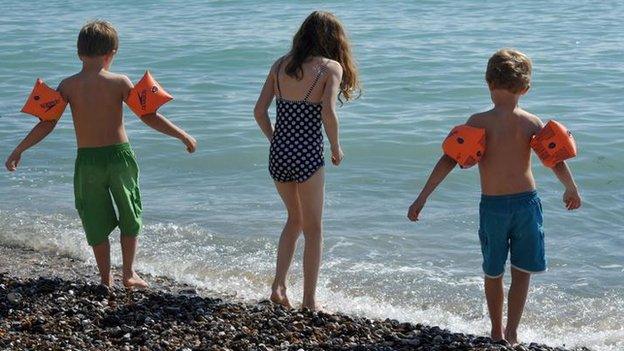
213,218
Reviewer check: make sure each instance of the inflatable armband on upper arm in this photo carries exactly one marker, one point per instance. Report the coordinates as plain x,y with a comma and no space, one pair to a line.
553,144
45,102
147,96
465,144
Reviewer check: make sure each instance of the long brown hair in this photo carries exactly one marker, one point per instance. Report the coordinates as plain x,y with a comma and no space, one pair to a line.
322,34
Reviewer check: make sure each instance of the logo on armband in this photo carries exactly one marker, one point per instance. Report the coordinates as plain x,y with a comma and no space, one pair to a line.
44,102
49,105
149,96
142,98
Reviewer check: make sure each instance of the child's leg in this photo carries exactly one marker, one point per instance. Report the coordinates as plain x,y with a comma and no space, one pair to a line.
517,298
124,186
102,258
312,193
287,242
128,249
495,296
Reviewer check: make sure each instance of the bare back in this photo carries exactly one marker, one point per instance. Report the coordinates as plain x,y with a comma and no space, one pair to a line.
506,165
96,101
296,90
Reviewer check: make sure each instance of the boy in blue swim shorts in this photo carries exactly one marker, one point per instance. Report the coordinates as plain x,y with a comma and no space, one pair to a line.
510,212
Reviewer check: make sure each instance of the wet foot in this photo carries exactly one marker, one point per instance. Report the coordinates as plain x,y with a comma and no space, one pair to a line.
107,282
497,336
512,338
310,305
135,282
278,296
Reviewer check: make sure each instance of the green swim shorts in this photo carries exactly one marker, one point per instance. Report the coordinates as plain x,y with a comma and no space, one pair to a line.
104,175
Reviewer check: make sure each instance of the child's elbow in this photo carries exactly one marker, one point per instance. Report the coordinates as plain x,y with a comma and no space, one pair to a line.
560,166
448,160
259,112
148,117
329,116
48,125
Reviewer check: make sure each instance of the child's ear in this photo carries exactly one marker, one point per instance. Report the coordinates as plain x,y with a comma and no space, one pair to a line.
526,90
109,57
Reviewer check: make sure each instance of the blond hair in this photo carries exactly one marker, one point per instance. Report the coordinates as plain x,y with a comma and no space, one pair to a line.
97,38
509,69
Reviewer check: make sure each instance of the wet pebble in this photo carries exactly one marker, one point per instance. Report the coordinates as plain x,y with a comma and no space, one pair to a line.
76,315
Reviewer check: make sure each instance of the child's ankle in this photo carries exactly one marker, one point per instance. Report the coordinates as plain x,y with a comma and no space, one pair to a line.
107,281
511,334
278,286
128,274
497,334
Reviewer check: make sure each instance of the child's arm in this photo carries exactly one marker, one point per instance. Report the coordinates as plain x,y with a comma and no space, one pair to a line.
444,166
160,123
571,197
261,110
329,115
38,133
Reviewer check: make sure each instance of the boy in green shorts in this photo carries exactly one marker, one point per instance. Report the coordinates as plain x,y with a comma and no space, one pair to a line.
106,170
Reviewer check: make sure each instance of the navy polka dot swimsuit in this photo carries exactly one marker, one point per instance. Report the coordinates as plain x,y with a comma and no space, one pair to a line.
297,147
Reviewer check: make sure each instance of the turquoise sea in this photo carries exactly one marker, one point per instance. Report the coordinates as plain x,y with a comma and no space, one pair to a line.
213,218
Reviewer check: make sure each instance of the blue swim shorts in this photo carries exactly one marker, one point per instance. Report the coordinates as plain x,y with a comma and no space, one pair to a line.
511,223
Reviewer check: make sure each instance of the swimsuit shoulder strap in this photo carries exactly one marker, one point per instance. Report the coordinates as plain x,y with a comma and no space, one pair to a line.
279,65
321,71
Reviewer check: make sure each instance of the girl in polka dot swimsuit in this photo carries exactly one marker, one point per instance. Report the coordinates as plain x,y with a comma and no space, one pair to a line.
306,82
297,145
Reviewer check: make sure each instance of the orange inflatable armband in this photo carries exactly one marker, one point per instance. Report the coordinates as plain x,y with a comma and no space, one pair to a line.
465,144
147,96
45,102
553,144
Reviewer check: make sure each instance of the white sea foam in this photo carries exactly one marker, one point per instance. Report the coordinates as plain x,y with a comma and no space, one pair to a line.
244,268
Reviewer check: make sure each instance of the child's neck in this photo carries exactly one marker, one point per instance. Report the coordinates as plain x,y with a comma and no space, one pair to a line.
505,101
94,64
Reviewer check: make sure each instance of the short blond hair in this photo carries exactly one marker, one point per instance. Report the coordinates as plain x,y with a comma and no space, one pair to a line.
509,69
97,38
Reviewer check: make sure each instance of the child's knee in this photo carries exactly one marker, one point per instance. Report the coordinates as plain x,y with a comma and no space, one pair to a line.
295,221
312,228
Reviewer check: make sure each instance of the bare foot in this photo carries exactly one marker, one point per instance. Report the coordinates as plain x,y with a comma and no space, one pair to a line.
511,337
278,296
107,282
497,335
311,305
134,282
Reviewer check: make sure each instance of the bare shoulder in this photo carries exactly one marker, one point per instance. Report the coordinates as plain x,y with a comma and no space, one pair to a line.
121,79
333,67
66,84
121,82
69,80
277,64
479,120
533,122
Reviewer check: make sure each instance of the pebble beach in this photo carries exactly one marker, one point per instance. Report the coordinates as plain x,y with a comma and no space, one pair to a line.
50,302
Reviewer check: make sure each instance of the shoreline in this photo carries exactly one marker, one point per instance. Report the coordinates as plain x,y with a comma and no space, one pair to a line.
52,301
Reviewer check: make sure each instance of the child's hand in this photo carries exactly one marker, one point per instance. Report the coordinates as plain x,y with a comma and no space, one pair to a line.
13,161
414,210
337,155
190,142
572,199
